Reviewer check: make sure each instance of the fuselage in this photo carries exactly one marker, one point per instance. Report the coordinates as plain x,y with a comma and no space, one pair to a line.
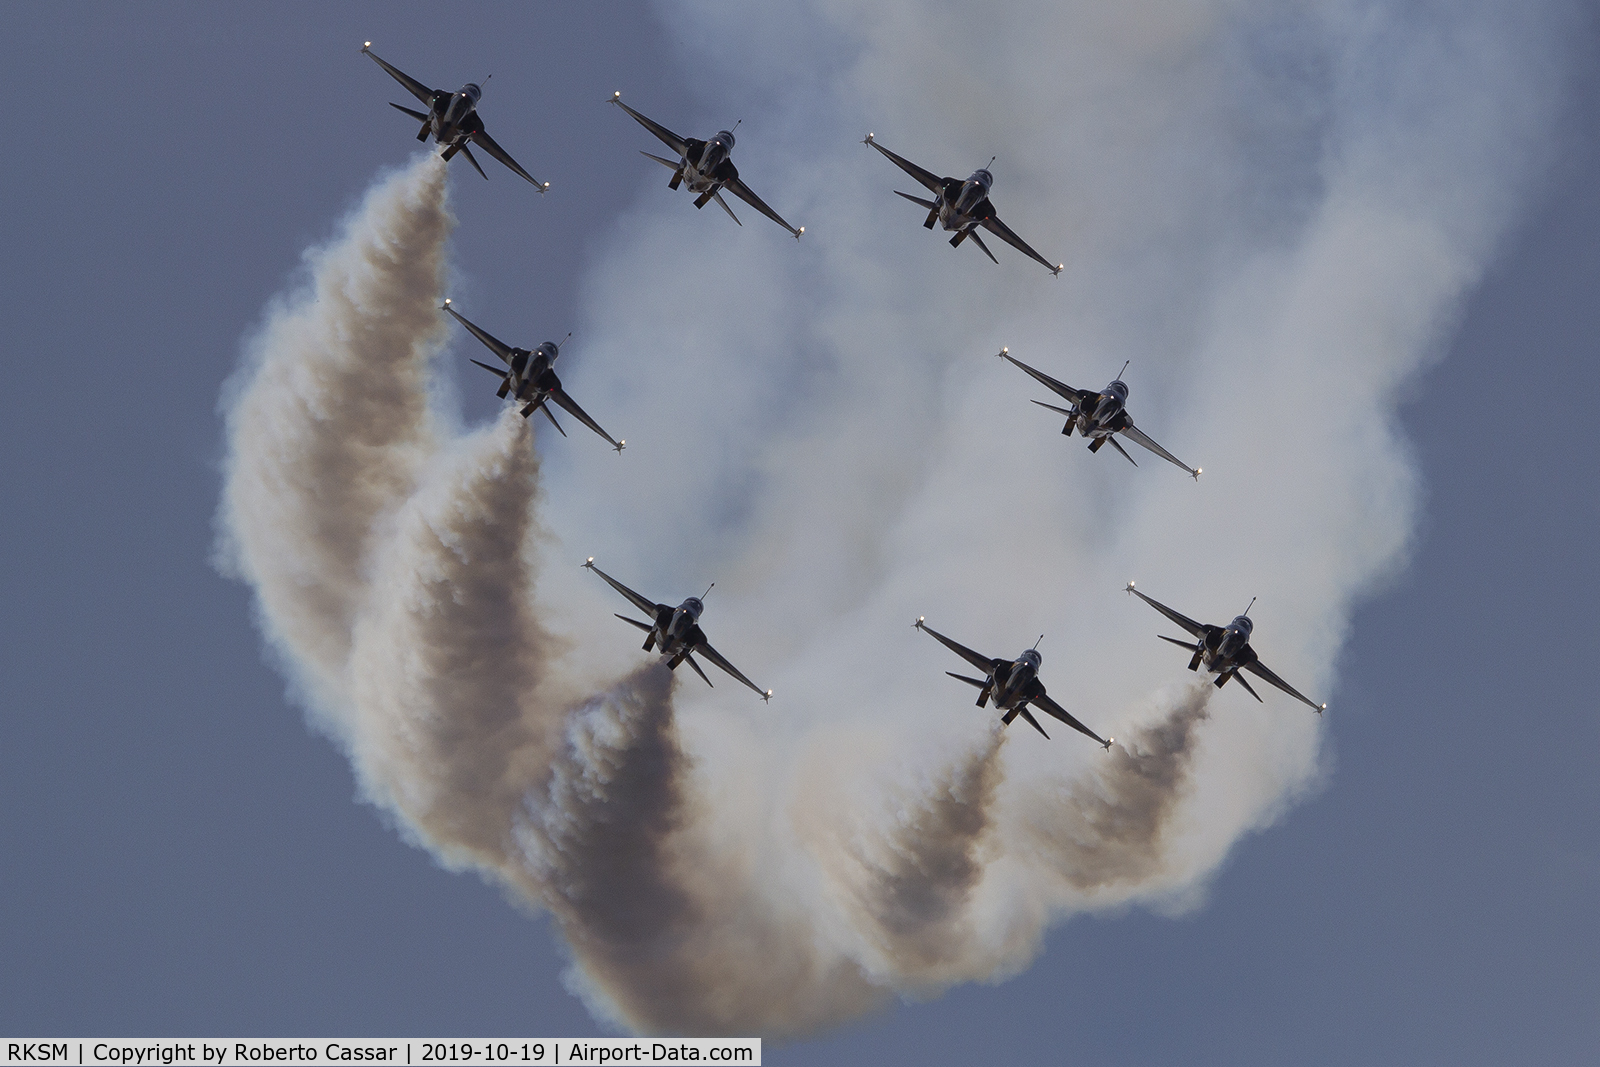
533,373
1106,415
1012,683
454,115
1228,649
678,629
706,166
962,204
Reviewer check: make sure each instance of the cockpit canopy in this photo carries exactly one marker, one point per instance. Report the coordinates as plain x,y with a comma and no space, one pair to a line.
693,606
1243,624
1118,389
1032,658
472,91
983,178
549,350
726,137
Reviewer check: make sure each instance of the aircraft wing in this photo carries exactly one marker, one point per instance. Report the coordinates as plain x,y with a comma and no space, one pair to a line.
482,139
490,341
1195,629
1002,231
1045,704
1133,433
1061,389
414,87
560,396
668,138
649,607
742,191
1265,675
714,656
928,181
983,663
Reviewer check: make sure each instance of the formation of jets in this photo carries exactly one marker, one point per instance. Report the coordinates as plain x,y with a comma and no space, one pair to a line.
705,168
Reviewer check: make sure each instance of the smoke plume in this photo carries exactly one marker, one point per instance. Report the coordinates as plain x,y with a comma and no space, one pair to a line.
1274,215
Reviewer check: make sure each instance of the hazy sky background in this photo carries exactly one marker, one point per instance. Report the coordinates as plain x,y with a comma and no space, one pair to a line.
181,855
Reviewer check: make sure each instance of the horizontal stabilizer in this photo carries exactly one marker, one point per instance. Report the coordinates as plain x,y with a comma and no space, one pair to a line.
969,681
474,161
985,249
1026,714
664,162
1065,411
408,111
1191,646
914,199
723,204
1119,448
1240,679
690,661
635,622
496,371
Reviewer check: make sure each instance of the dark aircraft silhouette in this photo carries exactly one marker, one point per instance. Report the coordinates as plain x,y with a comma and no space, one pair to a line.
1099,415
531,379
962,206
452,119
706,167
1012,684
675,631
1225,650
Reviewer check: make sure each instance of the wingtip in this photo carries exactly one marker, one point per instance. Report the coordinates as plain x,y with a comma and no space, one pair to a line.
867,139
446,305
615,98
1197,472
621,445
1108,743
1055,272
766,697
1004,352
1129,587
588,564
366,46
918,624
798,232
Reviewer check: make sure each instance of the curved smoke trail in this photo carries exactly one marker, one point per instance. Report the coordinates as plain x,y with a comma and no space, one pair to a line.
328,425
718,871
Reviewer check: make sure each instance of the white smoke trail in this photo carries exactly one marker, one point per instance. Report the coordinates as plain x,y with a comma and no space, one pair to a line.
328,426
1274,214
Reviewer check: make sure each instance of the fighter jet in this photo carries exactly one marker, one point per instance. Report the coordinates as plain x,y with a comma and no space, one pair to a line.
1099,415
962,207
1225,650
1013,685
452,119
706,167
531,379
675,631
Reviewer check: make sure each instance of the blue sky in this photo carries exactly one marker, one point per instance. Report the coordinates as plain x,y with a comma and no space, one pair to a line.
184,856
